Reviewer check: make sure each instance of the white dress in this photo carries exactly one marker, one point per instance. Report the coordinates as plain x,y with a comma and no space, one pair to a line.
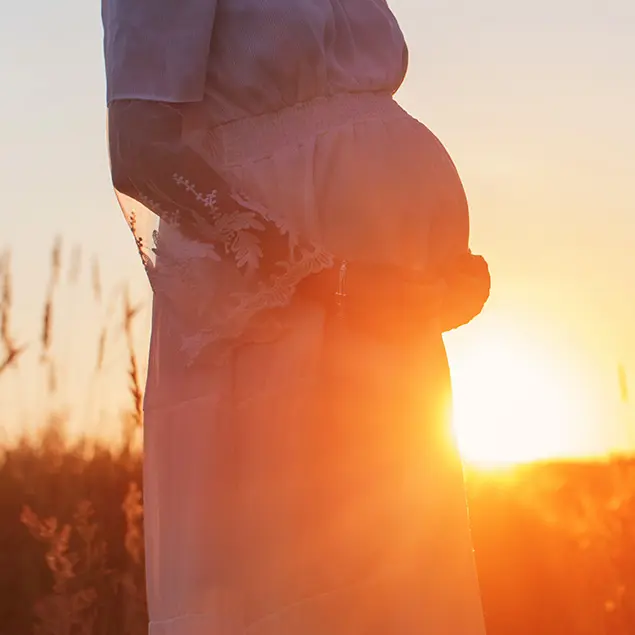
300,475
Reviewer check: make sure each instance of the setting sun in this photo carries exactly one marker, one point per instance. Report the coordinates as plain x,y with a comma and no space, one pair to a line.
516,403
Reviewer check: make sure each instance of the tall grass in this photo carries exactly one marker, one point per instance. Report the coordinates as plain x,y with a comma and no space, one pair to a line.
12,351
90,573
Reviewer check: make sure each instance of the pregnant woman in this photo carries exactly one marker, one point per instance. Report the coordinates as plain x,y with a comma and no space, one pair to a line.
307,245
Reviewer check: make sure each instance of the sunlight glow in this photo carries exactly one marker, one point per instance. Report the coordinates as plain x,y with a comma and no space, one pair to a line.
514,403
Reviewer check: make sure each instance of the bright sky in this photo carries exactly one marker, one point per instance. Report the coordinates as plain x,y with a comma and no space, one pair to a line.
533,100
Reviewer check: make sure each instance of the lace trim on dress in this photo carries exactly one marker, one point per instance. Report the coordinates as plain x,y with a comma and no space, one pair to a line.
219,277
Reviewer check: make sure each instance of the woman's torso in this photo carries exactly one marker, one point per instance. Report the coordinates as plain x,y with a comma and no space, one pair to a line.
270,54
298,115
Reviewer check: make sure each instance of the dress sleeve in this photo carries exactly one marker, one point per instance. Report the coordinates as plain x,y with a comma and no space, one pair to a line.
157,49
218,264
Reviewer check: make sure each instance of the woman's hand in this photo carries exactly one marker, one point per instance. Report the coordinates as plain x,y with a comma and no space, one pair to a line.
467,288
383,301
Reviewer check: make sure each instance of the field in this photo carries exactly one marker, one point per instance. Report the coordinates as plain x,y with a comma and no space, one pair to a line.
555,545
555,542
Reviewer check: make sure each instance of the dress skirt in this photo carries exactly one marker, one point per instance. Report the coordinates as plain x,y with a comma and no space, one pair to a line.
306,482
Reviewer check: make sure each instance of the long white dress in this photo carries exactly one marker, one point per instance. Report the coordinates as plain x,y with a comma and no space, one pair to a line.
300,473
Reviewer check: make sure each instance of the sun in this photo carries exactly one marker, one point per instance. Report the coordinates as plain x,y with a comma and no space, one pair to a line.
514,401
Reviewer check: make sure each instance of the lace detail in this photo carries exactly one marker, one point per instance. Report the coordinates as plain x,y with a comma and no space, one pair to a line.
217,262
215,274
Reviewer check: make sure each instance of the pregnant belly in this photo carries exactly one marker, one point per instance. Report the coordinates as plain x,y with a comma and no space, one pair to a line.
354,173
390,193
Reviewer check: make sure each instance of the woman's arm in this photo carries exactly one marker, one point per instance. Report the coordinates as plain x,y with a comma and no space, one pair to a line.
147,160
147,157
384,299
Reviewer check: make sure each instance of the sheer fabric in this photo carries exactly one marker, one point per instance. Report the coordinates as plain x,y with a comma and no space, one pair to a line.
214,258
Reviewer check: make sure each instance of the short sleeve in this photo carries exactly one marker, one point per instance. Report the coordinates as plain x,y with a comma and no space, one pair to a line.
157,49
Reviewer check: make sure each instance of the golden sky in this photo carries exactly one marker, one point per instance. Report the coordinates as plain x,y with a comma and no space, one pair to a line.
534,104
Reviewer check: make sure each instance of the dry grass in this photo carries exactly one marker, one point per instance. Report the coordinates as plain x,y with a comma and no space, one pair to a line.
134,384
12,351
83,571
88,593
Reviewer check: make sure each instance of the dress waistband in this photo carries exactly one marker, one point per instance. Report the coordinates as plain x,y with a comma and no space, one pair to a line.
253,138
